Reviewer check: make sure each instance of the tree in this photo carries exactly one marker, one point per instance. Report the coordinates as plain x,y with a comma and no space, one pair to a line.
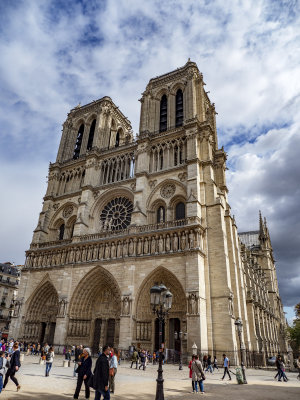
294,332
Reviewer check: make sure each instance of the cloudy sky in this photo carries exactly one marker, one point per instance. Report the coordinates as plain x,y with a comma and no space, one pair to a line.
55,54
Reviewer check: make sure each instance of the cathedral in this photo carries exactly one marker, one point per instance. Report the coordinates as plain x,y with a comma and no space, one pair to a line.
122,213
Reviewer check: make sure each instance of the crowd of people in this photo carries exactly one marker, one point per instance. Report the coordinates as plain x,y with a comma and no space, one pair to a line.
102,378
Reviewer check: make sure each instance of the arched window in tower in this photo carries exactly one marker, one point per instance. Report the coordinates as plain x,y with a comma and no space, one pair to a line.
163,114
61,232
180,211
160,215
179,108
78,142
91,135
117,143
161,159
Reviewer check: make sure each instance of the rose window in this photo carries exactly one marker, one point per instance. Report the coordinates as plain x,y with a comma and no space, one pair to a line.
116,214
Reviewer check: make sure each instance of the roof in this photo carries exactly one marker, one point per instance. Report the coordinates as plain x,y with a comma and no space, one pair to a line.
250,239
10,269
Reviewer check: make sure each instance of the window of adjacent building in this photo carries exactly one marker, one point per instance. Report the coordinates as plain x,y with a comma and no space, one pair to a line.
78,142
91,135
180,211
160,214
61,232
163,113
179,108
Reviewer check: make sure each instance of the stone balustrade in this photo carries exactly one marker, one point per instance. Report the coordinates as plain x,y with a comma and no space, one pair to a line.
110,246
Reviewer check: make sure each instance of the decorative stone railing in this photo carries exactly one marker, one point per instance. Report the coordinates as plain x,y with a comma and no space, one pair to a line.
168,238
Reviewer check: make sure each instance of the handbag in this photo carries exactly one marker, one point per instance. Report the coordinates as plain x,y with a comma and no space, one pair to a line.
111,372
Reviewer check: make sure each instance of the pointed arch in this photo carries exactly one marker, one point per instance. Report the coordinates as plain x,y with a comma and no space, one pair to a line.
160,275
91,135
163,118
97,294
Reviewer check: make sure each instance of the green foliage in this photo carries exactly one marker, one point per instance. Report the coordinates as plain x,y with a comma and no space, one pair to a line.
294,331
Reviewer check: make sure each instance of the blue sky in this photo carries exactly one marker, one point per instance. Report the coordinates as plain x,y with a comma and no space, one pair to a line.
55,54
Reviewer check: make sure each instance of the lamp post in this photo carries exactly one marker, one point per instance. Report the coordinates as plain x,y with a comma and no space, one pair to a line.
161,302
239,324
180,335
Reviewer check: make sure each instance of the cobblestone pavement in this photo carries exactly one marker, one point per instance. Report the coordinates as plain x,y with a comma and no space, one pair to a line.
132,384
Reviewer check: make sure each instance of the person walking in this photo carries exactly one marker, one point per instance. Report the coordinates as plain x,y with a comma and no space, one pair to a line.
298,367
113,365
49,360
281,372
3,362
191,373
226,366
143,360
78,352
101,375
14,367
198,374
215,364
84,372
209,366
135,359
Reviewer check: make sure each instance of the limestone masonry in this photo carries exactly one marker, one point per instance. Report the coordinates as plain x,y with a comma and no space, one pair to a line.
121,214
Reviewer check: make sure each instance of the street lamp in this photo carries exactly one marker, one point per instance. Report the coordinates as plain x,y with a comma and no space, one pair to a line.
180,335
239,324
161,302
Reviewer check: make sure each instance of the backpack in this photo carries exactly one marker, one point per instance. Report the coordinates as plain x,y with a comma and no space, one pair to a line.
48,356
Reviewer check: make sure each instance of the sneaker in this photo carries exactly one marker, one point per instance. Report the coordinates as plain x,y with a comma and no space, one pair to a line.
18,388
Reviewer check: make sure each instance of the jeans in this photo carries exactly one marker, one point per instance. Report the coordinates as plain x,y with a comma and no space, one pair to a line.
112,381
106,395
209,368
1,382
48,367
201,386
226,370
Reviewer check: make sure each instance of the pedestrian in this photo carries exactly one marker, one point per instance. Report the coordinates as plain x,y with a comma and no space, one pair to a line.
298,367
113,365
101,375
205,361
277,364
68,357
191,373
14,367
84,371
209,366
3,362
226,366
215,363
78,352
49,360
198,374
135,359
281,372
154,358
143,360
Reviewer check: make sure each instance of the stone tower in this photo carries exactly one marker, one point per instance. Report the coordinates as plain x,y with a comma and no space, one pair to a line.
121,214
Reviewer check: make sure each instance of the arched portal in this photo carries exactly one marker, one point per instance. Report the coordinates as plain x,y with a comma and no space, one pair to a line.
40,319
146,322
94,313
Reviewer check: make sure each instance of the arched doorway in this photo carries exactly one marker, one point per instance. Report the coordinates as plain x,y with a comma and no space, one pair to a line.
94,313
40,319
146,325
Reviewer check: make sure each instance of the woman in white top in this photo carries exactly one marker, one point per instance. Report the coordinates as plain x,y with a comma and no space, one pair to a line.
49,360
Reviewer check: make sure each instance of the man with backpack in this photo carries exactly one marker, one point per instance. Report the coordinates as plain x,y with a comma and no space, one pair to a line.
14,367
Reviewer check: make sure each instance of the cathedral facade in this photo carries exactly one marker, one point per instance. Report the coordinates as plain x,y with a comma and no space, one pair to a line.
121,214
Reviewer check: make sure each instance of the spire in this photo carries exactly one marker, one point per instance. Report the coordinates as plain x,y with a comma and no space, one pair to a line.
262,236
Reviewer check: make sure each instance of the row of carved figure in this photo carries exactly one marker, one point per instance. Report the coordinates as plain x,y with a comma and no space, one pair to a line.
79,328
158,244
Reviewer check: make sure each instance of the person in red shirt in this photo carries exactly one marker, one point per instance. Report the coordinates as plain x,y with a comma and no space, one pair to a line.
191,373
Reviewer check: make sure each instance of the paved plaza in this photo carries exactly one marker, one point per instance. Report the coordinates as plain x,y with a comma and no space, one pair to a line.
137,384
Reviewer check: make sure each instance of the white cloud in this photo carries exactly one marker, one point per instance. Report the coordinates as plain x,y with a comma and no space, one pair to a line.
55,54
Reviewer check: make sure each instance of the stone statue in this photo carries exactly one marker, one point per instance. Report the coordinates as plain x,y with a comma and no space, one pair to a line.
119,249
113,250
107,251
168,243
183,241
160,245
153,245
191,239
95,253
126,306
131,247
193,304
146,246
175,242
139,246
125,249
